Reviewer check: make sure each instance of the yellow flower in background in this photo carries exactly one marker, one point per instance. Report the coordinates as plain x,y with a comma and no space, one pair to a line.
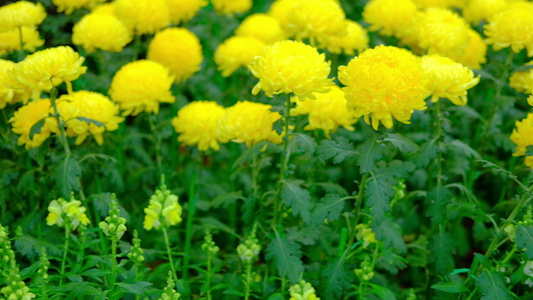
530,100
262,27
302,291
143,16
100,31
385,82
249,122
45,69
511,28
90,105
477,10
230,7
68,6
280,10
522,81
390,17
8,95
182,11
522,136
440,3
27,116
197,124
356,38
364,233
448,79
10,40
327,112
72,210
152,213
475,52
291,67
235,52
106,9
179,50
140,86
163,210
21,14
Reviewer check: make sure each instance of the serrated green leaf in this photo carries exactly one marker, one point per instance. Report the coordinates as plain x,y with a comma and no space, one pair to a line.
301,143
137,288
428,152
465,111
382,292
442,250
371,151
306,235
492,286
339,149
529,150
437,199
335,279
37,127
248,154
464,149
91,121
329,208
450,287
390,234
297,198
405,145
286,256
524,239
67,176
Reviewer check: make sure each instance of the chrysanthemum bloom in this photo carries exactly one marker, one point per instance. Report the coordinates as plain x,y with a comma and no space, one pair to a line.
235,52
522,81
356,38
179,50
230,7
27,116
475,53
291,67
511,28
447,79
21,14
163,210
477,10
8,95
10,40
68,6
106,9
140,86
327,112
43,70
316,20
249,122
183,10
143,16
302,291
384,82
197,124
440,3
100,31
390,17
522,136
280,10
530,100
72,211
262,27
90,105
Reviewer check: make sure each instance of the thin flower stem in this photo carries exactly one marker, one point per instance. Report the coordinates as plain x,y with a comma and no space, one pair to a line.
190,219
60,123
157,144
285,155
208,279
65,251
170,260
113,262
248,279
359,204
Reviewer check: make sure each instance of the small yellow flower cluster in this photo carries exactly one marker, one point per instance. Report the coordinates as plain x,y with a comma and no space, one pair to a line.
522,136
477,10
249,250
355,38
143,16
302,291
183,10
10,40
390,17
27,116
262,27
18,21
61,211
163,210
68,6
230,7
512,28
364,233
100,31
235,52
440,3
8,95
522,81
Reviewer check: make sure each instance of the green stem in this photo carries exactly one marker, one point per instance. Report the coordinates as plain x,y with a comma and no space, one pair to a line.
208,279
474,292
359,203
248,279
113,262
170,260
60,123
190,219
157,144
65,251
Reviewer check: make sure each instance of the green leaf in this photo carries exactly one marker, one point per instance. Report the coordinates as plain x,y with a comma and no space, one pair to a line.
297,198
307,235
450,287
465,111
339,149
248,154
301,143
405,145
276,296
382,292
428,152
492,286
524,239
335,279
390,234
436,201
529,150
371,151
286,256
329,208
37,127
523,68
91,121
463,149
137,288
95,273
67,176
442,250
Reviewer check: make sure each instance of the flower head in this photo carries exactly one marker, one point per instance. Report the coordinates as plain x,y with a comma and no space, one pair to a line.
477,10
355,38
391,17
302,291
365,234
143,16
163,210
249,122
280,10
197,124
327,112
230,7
522,136
235,52
140,86
475,52
100,31
501,32
290,67
68,6
249,250
26,117
21,14
439,3
262,27
8,95
384,82
179,50
61,210
105,9
522,81
10,40
183,10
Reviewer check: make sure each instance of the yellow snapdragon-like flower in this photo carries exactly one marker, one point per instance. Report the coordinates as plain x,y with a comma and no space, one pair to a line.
390,17
163,210
385,83
477,10
522,136
8,95
355,38
143,16
197,124
327,112
364,233
27,116
291,67
475,52
230,7
522,81
448,79
100,31
235,52
10,40
249,122
302,291
511,28
72,211
21,14
179,50
183,10
140,86
262,27
68,6
440,3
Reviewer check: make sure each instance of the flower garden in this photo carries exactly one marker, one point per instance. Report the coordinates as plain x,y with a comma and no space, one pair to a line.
267,149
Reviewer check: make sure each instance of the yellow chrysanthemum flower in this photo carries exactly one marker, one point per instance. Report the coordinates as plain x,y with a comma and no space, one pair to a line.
249,122
140,86
522,136
475,53
143,16
291,67
230,7
105,9
179,50
511,28
530,100
390,17
302,291
68,6
72,210
522,81
100,31
356,38
448,79
197,124
280,10
10,40
92,106
8,95
384,82
262,27
316,20
183,10
27,116
163,210
327,112
21,14
477,10
440,3
235,52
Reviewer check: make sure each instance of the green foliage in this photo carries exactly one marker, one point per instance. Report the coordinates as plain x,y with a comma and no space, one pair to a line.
371,151
37,127
91,121
442,250
340,149
297,198
492,286
329,208
67,176
335,278
524,239
286,257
